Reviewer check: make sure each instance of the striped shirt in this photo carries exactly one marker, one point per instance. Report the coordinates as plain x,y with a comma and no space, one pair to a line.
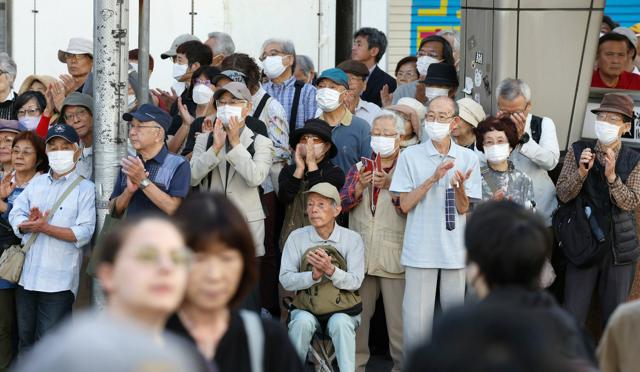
284,93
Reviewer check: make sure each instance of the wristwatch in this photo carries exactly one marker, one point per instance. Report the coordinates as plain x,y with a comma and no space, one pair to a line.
524,139
144,183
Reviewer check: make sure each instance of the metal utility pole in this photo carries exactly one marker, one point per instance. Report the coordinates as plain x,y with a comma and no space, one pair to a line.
143,51
110,83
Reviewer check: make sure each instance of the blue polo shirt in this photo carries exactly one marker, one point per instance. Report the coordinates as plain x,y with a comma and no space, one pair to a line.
169,172
352,137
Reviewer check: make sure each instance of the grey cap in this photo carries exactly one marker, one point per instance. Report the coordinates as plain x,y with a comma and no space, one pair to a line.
238,90
176,43
78,99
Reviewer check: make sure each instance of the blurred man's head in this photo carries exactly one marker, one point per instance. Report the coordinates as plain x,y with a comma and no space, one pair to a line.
613,51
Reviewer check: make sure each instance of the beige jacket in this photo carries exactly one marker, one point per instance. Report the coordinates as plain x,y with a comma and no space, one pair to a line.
619,349
383,235
246,173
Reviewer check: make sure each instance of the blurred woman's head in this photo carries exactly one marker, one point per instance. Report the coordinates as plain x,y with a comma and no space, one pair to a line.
28,153
224,265
143,267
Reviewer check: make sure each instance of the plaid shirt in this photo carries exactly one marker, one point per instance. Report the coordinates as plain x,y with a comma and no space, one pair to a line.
284,92
626,196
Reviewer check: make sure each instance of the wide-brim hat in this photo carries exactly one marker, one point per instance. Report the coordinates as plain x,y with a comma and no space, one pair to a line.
77,45
327,190
619,103
413,117
320,128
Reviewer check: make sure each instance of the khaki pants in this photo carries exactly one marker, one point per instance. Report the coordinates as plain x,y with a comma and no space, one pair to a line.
392,294
420,297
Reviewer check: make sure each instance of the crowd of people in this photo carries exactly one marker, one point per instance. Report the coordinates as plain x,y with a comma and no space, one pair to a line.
264,207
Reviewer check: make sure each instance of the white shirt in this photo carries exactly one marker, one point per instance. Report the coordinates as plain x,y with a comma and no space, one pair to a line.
367,111
427,242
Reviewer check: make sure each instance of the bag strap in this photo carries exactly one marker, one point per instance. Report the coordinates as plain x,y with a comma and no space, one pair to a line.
52,211
298,85
263,101
255,338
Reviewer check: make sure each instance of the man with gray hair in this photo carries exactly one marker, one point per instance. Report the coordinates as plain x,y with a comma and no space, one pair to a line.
374,212
297,97
305,70
221,45
538,151
436,180
8,71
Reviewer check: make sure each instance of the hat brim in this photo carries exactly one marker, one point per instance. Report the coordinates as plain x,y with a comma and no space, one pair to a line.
167,54
128,116
333,150
469,119
611,109
336,82
60,136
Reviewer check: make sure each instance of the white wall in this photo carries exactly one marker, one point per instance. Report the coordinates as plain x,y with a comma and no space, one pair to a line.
373,13
249,22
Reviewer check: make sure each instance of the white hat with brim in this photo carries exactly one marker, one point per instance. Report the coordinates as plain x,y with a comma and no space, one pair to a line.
77,45
471,111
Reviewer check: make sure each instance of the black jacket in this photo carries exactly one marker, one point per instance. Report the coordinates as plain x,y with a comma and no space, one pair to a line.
572,342
376,81
290,186
232,354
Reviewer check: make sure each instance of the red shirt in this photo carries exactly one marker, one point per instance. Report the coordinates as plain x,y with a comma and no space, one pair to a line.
627,80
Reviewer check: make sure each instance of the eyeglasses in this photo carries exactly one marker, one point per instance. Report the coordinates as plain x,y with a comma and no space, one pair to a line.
407,74
439,118
17,152
6,141
429,52
610,116
141,126
75,57
271,53
205,82
80,114
315,139
151,256
29,112
384,133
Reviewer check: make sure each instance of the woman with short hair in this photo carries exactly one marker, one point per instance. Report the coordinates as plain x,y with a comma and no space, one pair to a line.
223,272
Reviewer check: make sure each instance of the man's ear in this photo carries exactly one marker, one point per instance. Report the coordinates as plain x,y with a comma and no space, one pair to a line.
194,66
374,52
217,60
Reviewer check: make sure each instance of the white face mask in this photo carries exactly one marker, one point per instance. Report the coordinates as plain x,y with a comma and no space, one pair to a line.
437,131
178,70
384,146
202,94
61,161
327,99
423,64
133,66
606,133
226,112
497,153
29,122
273,66
432,93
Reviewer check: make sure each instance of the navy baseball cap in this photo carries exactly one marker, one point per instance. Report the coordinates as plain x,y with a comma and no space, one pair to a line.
336,75
64,131
149,112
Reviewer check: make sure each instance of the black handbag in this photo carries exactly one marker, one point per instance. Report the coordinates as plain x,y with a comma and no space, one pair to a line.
575,238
